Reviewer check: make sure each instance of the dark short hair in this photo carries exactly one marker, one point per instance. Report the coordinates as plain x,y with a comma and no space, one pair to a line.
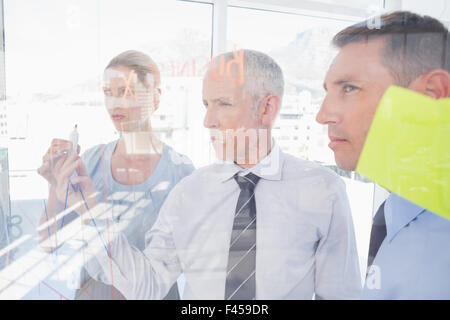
414,44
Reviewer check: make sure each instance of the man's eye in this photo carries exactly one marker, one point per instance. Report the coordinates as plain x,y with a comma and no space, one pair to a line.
224,104
349,88
107,93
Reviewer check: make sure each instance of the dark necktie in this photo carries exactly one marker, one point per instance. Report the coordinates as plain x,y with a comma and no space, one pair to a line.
240,281
377,234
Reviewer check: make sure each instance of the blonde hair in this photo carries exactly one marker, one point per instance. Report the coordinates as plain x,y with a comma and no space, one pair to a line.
138,61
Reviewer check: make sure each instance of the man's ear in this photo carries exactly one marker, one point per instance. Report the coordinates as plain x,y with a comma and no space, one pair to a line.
435,84
268,109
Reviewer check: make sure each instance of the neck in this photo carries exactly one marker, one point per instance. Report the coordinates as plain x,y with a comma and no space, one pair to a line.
139,143
255,154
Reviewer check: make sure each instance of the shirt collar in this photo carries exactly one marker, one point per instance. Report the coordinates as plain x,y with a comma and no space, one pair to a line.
268,168
398,213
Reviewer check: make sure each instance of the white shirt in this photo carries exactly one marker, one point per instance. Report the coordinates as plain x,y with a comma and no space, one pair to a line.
305,239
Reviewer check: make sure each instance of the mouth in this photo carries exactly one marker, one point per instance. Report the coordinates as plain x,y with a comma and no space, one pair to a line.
336,142
216,139
117,117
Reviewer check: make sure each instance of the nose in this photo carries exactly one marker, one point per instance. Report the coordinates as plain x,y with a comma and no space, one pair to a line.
326,115
113,102
211,120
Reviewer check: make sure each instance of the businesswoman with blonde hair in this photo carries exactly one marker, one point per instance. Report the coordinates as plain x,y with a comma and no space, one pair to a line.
137,164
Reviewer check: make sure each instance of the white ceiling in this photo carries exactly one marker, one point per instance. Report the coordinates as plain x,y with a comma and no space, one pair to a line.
344,7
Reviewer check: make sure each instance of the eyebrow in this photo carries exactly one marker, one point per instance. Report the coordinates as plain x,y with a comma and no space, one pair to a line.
222,98
218,100
341,82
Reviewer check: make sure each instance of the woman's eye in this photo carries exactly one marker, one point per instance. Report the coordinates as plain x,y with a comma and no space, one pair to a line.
107,93
349,88
125,93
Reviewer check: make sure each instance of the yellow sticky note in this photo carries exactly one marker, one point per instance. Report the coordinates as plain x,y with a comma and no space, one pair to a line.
407,150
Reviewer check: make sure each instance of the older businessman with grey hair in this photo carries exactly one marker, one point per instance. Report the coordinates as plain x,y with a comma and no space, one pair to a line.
260,224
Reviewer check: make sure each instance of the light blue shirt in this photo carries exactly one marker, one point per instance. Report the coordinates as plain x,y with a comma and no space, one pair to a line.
305,238
149,195
413,262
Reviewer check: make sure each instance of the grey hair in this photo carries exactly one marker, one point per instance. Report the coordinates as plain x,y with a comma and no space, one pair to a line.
262,75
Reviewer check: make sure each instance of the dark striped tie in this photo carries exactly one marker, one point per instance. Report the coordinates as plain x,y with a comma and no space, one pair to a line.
377,234
240,281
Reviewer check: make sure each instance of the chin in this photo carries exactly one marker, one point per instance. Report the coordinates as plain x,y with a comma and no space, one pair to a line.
345,164
221,152
122,128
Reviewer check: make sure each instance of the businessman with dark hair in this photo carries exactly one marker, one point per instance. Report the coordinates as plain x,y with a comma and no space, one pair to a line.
409,256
